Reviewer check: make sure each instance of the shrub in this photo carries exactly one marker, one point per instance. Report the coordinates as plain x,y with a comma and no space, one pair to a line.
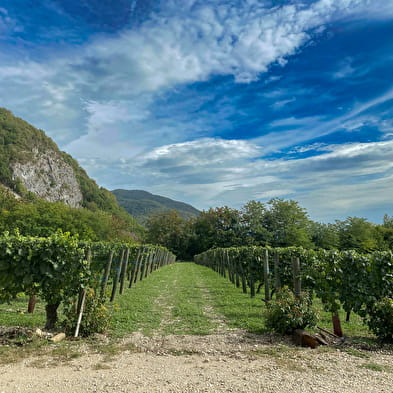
380,319
286,312
95,319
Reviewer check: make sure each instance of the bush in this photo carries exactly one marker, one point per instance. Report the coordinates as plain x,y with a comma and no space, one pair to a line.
286,312
380,319
95,319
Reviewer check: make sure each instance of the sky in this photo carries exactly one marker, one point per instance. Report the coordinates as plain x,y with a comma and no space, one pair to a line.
213,102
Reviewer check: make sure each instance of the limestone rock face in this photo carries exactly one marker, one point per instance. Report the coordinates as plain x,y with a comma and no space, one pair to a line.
49,177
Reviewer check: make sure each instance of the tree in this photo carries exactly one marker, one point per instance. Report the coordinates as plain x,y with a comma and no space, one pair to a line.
288,224
388,221
325,235
219,227
253,219
169,230
359,234
43,218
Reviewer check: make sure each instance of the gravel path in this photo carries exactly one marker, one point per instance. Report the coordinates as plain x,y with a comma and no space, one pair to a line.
230,362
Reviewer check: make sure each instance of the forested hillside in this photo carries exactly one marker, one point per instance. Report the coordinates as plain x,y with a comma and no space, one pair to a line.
33,168
142,204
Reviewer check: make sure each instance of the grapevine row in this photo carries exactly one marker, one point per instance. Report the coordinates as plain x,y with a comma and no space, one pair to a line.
357,282
60,268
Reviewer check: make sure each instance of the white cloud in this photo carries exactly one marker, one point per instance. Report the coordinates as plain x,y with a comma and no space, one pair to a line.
214,172
280,104
98,100
184,43
296,122
187,44
272,194
203,152
312,147
312,128
345,69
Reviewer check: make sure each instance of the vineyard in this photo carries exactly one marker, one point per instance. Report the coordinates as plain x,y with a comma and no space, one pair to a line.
362,283
61,270
81,276
188,327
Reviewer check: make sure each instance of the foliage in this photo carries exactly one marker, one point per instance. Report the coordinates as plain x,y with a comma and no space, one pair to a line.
288,223
169,230
21,142
219,227
340,279
42,218
142,205
380,319
278,223
44,266
358,234
286,312
254,230
96,316
325,236
56,268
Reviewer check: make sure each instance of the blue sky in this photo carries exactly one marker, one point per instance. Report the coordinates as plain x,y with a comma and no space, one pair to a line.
213,102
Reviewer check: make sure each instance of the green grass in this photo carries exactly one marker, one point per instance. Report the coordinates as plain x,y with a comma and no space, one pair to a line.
167,302
183,298
354,328
237,308
15,314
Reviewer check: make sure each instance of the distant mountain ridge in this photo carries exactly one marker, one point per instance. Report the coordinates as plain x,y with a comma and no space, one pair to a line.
142,204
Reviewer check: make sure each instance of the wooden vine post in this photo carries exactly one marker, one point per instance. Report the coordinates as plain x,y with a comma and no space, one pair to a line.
266,274
337,324
124,267
252,280
150,262
244,280
237,276
135,268
82,306
139,264
277,278
117,277
106,274
297,284
32,303
145,263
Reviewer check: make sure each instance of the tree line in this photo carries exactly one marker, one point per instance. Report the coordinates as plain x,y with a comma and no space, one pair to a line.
277,223
32,216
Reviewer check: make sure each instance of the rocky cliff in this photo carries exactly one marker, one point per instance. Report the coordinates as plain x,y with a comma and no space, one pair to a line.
49,177
31,162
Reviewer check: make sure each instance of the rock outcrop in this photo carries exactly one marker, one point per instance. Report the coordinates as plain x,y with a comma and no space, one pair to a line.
49,177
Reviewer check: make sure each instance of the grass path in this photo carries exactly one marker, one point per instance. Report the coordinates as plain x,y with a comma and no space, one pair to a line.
185,298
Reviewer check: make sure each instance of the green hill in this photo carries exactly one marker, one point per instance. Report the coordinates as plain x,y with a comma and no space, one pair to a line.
142,204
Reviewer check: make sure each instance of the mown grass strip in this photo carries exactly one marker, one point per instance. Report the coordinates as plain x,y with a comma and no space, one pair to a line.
188,303
238,309
167,302
173,300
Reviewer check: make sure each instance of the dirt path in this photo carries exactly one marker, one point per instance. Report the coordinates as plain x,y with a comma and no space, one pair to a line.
230,362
